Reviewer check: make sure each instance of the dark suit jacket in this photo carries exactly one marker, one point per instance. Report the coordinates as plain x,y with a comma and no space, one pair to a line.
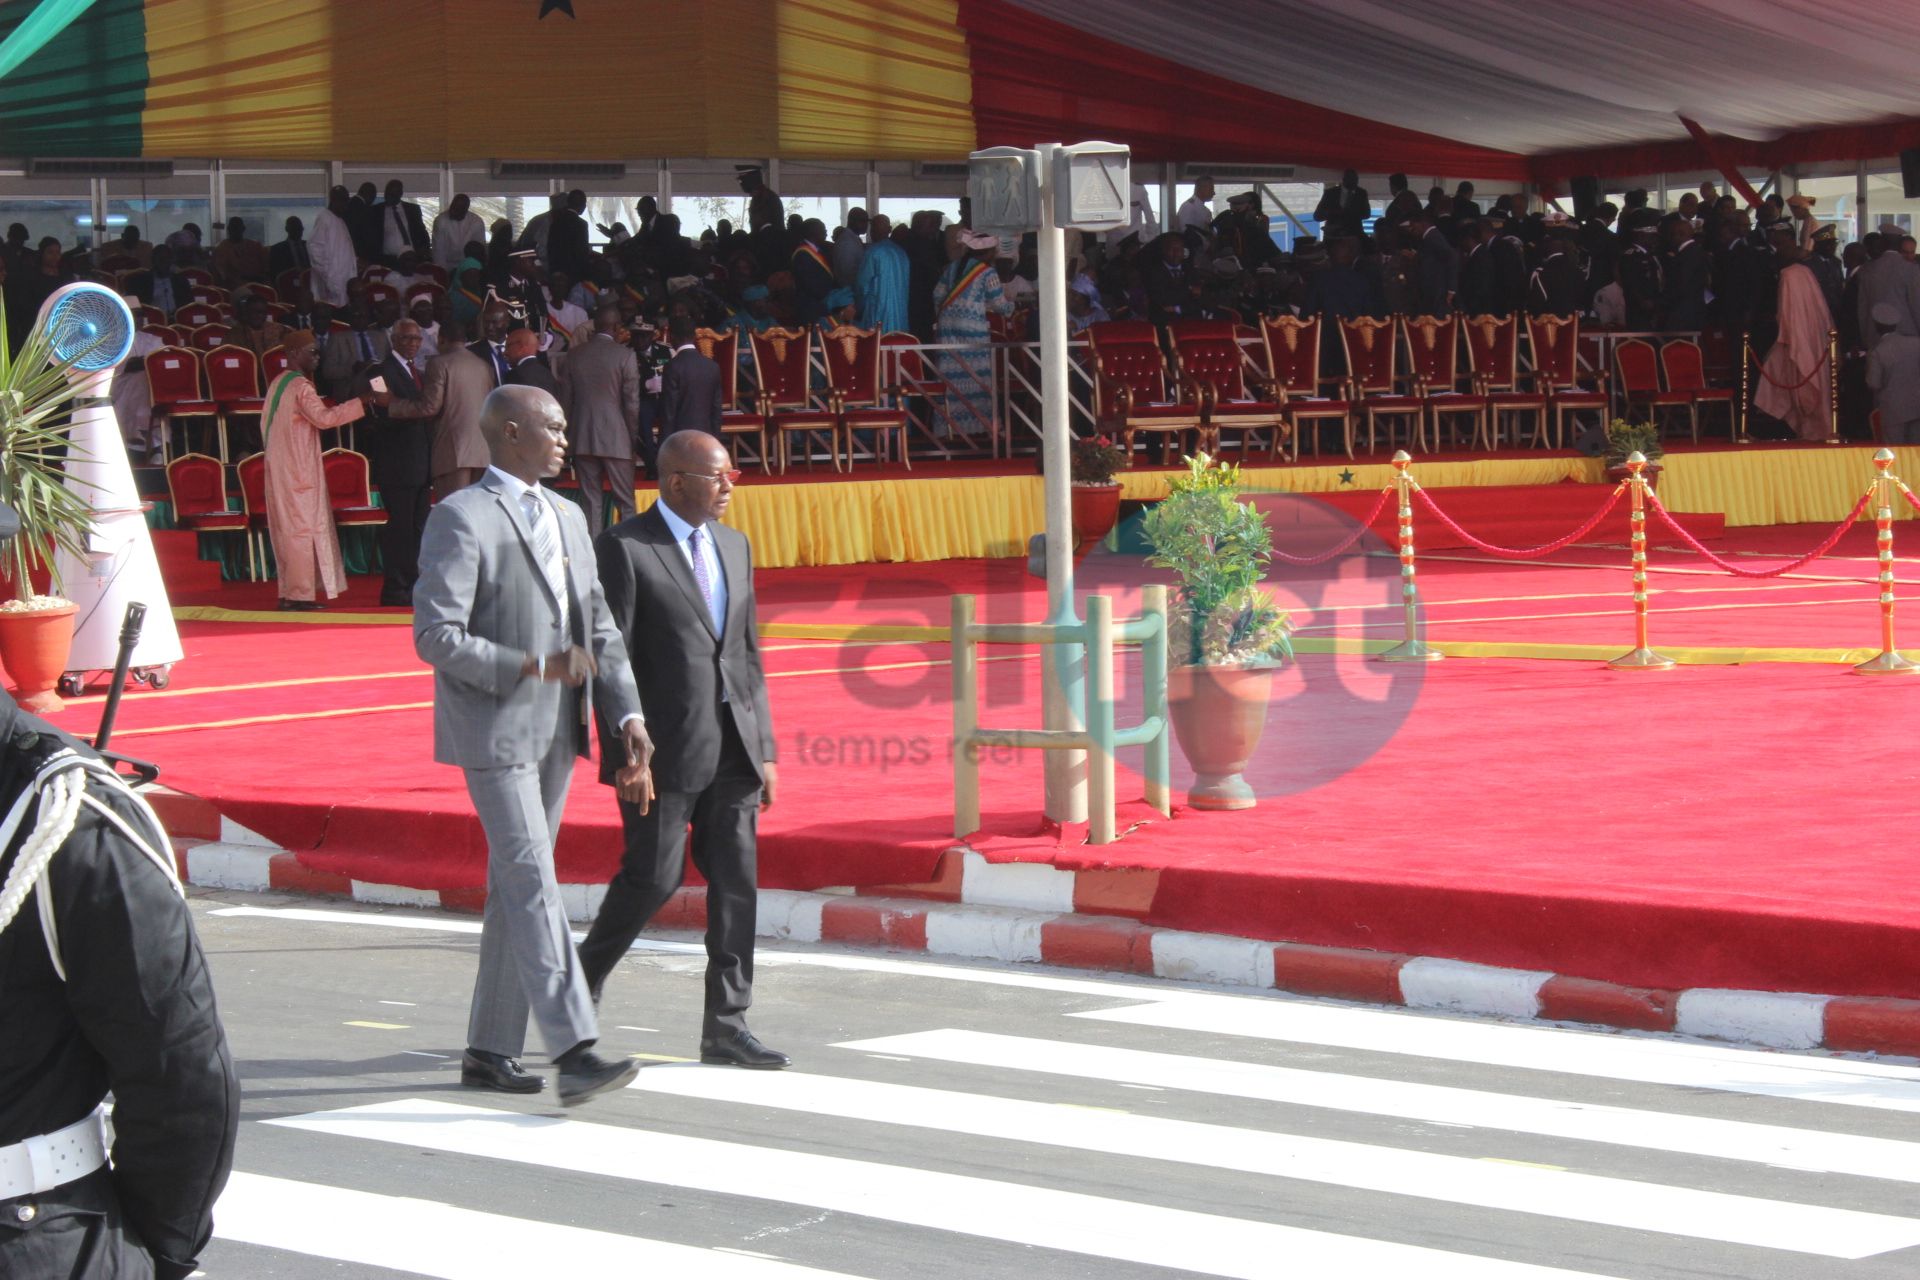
680,665
484,350
690,392
567,248
399,450
533,372
363,224
142,285
416,228
282,259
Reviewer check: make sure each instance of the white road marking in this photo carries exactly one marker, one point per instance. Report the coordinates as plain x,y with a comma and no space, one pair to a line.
400,1233
1513,1187
421,1053
1806,1150
1041,1217
1647,1060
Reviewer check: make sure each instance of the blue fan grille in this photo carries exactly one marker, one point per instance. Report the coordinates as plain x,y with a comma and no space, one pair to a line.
94,321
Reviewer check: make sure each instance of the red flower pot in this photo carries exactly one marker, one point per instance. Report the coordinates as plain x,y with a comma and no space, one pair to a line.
1096,508
1219,714
34,646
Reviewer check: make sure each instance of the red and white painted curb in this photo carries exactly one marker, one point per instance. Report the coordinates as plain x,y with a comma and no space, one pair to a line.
1036,914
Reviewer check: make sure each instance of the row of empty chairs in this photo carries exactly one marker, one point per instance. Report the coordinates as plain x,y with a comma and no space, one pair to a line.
197,489
215,386
1420,374
787,401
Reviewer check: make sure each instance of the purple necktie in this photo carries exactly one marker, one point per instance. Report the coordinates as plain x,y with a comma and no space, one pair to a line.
702,576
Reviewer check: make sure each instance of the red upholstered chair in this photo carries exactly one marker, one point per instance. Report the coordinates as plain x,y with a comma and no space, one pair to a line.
350,489
207,337
273,363
197,490
1638,368
1433,356
289,282
783,368
723,348
1493,353
233,384
378,293
1130,384
1293,365
195,314
432,271
252,474
114,263
1234,396
280,311
1685,369
262,290
146,317
860,395
424,289
211,294
1555,344
168,335
173,378
1373,376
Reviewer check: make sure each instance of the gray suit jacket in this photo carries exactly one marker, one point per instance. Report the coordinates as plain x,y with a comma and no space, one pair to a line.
1889,278
600,382
482,606
690,392
458,383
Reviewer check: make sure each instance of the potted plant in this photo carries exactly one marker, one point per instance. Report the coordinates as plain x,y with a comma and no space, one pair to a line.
36,622
1625,438
1096,494
1225,635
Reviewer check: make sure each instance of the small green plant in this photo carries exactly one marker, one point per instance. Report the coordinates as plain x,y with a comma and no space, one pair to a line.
35,425
1095,460
1219,547
1624,438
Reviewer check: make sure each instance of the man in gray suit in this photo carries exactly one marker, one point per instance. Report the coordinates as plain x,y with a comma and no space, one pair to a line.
1889,280
680,587
601,385
509,613
690,390
457,384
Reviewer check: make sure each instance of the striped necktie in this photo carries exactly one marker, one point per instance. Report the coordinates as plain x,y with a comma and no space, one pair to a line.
546,542
702,575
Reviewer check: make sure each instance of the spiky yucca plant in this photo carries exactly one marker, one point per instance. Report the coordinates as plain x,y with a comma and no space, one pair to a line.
35,427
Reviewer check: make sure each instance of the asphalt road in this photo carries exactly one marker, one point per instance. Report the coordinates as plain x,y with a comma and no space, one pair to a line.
946,1121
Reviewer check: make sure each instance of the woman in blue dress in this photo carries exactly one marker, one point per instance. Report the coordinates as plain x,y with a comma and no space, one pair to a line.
967,294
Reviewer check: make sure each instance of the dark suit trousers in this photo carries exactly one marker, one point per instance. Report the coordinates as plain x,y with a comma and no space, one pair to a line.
407,505
724,818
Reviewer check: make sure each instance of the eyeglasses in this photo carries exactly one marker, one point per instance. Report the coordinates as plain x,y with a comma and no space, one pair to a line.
729,477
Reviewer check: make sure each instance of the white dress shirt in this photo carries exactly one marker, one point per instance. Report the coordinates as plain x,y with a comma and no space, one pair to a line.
1194,212
682,533
394,237
451,238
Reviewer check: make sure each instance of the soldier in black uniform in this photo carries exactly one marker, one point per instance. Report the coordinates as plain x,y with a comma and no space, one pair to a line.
1559,286
115,998
1641,280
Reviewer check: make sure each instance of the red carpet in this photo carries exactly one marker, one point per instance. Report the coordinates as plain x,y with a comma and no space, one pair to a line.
1710,826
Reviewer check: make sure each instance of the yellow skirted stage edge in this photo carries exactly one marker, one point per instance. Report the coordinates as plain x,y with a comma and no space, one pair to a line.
866,521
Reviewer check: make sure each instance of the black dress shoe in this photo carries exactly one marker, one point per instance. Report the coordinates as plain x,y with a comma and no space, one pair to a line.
741,1049
583,1074
299,606
395,600
482,1070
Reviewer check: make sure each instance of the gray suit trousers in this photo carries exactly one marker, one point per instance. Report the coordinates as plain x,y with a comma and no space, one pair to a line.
527,956
617,474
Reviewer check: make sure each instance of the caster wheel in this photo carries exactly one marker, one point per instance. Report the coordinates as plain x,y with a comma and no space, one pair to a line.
72,686
158,678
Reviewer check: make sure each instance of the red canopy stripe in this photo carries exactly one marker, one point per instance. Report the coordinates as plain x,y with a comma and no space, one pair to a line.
1035,80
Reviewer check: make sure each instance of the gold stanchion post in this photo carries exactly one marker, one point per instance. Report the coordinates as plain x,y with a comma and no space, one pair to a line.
1889,661
1642,657
1746,389
1413,648
1833,386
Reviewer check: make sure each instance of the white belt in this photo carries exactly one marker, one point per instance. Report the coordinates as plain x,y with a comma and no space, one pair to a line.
54,1159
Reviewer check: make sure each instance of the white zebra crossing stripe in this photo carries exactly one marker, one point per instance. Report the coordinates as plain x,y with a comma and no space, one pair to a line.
1804,1150
1040,1217
1644,1060
400,1233
1580,1197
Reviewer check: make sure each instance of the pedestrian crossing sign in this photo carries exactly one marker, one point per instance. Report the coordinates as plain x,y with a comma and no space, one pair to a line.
1003,186
1092,182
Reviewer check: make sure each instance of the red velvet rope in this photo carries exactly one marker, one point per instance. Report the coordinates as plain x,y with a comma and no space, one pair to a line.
1911,500
1833,540
1358,534
1523,553
1811,375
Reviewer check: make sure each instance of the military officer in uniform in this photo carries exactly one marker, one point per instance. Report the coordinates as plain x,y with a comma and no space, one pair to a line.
103,990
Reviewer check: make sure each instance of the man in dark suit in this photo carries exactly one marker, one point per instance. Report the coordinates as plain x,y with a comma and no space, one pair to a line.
402,227
526,367
363,224
568,253
161,286
290,254
491,345
690,390
400,455
679,585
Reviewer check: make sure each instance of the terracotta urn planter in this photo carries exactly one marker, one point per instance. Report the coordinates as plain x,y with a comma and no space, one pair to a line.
33,645
1218,715
1095,509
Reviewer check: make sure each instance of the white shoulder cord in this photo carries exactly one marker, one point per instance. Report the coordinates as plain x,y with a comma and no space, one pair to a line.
61,785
